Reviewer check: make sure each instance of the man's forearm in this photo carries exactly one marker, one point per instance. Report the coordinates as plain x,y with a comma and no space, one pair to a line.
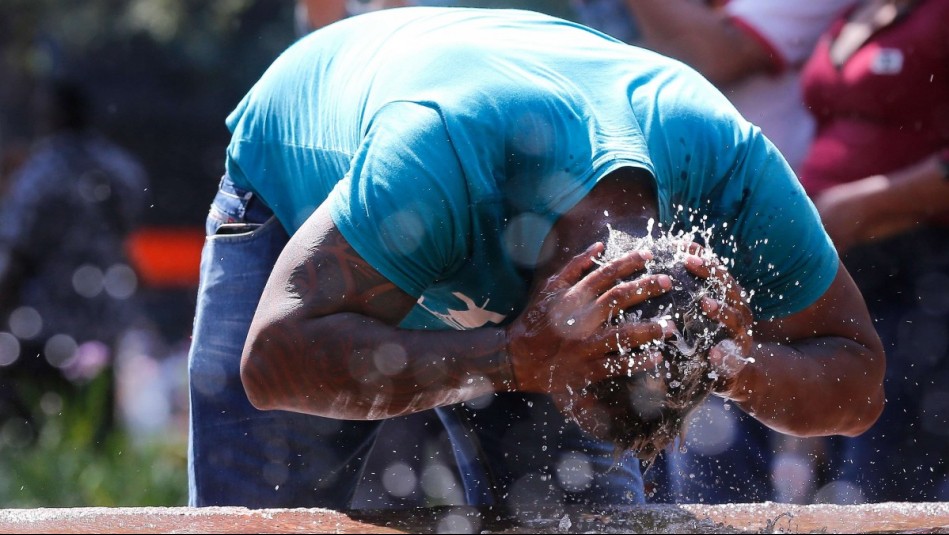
350,366
821,386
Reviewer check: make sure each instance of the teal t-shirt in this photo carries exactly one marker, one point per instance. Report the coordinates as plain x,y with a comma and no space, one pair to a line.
448,141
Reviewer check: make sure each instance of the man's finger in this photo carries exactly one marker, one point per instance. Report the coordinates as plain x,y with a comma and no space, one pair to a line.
575,269
631,293
615,365
607,276
736,320
701,267
634,335
711,269
693,248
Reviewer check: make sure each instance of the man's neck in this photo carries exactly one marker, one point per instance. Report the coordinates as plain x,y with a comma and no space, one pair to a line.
624,200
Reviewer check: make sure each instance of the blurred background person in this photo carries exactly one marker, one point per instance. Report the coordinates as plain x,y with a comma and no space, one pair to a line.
878,170
611,17
752,50
313,14
162,77
12,155
66,287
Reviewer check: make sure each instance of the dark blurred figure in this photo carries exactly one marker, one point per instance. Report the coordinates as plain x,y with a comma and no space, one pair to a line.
66,288
611,17
314,14
878,170
12,156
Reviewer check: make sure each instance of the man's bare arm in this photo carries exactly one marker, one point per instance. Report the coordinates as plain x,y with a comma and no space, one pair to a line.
323,342
324,339
818,372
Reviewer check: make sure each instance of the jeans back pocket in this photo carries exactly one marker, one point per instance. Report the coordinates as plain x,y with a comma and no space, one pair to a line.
235,210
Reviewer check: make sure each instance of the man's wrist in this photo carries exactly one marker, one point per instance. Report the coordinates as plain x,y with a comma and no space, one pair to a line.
734,376
506,365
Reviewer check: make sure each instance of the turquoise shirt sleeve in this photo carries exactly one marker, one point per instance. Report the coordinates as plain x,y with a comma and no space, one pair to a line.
717,171
403,205
783,251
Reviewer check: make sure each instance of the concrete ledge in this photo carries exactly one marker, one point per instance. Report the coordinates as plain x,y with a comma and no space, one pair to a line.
734,518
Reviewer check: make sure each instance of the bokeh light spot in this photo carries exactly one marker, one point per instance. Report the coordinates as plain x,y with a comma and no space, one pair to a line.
26,323
480,402
59,349
438,483
840,493
524,237
390,359
9,349
120,281
88,280
711,429
455,522
399,480
402,232
210,380
574,472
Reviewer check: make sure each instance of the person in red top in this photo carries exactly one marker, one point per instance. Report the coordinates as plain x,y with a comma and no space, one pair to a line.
878,171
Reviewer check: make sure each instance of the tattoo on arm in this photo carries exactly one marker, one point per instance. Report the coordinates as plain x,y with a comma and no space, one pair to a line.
334,274
340,354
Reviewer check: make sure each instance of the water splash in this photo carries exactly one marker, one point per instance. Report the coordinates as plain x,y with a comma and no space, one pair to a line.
645,410
693,331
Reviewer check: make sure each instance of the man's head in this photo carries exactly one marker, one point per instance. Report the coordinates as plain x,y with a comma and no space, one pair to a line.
641,411
644,411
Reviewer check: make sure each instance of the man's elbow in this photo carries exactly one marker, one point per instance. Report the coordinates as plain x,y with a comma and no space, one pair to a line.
867,415
258,374
868,409
272,376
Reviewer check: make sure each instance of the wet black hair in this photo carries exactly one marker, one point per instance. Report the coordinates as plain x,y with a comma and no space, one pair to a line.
645,411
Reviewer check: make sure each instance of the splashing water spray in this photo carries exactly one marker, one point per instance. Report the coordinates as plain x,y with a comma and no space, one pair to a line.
644,411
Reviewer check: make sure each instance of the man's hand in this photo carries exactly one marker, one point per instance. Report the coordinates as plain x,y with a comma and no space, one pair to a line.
564,340
730,356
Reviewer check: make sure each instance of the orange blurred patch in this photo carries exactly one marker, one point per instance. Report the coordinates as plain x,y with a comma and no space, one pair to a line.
165,257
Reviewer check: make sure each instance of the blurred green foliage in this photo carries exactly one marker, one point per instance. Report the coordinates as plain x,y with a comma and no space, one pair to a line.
74,457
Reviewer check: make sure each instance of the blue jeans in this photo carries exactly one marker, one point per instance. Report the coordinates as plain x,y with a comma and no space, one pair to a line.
514,449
